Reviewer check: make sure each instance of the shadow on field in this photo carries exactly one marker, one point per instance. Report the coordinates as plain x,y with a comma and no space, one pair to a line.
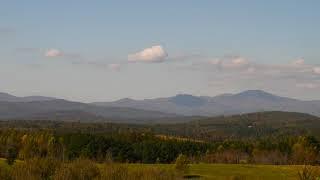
191,176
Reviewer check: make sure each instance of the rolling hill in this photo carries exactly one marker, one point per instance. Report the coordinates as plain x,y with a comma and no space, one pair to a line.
58,109
261,124
252,125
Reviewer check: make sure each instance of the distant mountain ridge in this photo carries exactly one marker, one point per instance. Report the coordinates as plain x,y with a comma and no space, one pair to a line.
225,104
59,109
10,98
181,107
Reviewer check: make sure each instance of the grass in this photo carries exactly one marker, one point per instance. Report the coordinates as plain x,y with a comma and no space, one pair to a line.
236,171
225,171
3,163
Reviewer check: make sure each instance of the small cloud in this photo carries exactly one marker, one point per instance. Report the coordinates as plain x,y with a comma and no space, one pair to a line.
298,62
152,54
53,53
238,62
307,85
316,70
233,62
114,67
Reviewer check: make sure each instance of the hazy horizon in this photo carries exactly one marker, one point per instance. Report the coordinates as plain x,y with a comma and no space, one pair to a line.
174,95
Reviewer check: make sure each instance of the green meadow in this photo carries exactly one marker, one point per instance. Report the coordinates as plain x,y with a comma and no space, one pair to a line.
235,171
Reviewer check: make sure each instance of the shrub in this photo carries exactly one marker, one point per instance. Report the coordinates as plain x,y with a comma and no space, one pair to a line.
4,173
80,169
114,172
11,155
182,163
309,173
38,168
153,173
122,172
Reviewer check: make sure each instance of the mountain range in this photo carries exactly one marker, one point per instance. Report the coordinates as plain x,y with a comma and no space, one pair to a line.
46,108
181,107
225,104
10,98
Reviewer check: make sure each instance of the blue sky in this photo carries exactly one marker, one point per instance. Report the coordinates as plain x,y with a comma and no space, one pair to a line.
106,50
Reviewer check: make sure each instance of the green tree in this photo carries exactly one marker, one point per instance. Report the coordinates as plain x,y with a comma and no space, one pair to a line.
12,154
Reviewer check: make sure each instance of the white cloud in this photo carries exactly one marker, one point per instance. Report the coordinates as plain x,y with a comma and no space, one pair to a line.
233,62
239,64
236,62
53,53
316,70
114,67
152,54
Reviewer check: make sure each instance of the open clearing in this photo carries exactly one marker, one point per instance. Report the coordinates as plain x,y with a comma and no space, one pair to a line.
236,171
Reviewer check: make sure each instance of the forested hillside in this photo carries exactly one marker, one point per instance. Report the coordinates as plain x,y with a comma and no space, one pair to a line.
221,139
253,125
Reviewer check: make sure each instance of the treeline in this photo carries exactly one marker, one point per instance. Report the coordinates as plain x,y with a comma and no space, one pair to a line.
278,151
211,129
123,147
133,147
83,169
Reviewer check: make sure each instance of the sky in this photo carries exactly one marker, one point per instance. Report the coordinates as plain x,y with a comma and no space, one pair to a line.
107,50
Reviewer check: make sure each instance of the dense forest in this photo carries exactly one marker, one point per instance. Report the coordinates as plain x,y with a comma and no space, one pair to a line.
126,147
134,147
209,129
151,144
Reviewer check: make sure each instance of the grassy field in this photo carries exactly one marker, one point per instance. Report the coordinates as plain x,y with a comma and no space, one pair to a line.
3,163
237,171
226,171
229,171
